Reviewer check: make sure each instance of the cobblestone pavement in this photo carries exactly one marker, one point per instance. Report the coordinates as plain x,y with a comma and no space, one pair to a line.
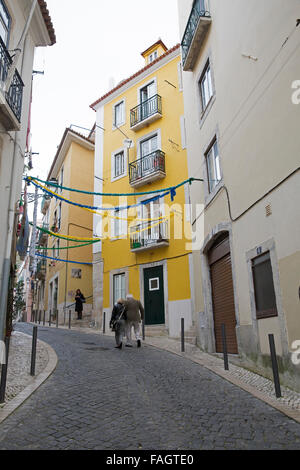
102,398
18,376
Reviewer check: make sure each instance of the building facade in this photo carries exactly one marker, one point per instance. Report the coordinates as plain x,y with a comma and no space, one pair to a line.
140,147
241,94
67,268
25,24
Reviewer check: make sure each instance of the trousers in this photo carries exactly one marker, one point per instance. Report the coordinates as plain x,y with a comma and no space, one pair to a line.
137,331
119,331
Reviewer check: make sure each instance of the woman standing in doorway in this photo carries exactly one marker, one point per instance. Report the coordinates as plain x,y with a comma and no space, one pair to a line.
80,300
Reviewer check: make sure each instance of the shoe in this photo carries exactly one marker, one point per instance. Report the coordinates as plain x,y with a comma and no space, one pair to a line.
139,343
119,347
128,345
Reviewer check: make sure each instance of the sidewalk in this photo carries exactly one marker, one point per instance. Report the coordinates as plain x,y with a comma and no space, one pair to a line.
20,385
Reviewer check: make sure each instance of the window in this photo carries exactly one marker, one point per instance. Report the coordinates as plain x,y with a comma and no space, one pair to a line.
5,21
61,178
149,145
264,292
119,167
56,249
213,166
119,114
119,287
119,224
153,56
206,89
147,92
154,284
59,216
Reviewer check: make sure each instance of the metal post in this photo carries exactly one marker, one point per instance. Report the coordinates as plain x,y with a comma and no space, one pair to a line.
275,366
143,329
56,318
4,371
64,316
33,350
182,335
224,341
40,314
50,317
104,314
70,319
44,319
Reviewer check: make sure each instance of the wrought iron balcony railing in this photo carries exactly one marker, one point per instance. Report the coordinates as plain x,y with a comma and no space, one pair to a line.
198,15
148,168
41,269
148,109
14,95
149,234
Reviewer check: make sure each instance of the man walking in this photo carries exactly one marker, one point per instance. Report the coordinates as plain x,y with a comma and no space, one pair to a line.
135,315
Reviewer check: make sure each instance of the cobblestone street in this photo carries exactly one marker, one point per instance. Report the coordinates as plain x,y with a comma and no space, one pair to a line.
99,397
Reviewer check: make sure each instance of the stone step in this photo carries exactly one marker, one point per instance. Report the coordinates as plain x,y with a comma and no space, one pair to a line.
155,330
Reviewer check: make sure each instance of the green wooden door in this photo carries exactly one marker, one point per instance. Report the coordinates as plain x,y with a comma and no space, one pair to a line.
154,296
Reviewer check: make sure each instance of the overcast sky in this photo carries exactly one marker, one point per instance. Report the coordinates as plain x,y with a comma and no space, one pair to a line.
97,40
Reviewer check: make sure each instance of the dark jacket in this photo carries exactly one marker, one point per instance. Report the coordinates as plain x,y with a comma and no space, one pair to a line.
80,299
116,314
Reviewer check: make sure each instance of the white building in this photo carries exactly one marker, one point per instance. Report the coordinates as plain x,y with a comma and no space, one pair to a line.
241,80
24,25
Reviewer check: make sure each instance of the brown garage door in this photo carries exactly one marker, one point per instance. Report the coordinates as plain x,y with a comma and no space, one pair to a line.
222,294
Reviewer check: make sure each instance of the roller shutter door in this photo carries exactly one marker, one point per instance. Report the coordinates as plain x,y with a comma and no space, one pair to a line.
223,296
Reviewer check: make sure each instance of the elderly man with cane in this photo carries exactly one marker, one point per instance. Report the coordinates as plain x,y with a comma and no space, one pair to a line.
135,314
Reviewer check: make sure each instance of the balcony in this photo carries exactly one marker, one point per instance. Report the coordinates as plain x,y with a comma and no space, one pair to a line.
149,235
146,113
45,204
11,101
195,33
147,169
43,237
41,270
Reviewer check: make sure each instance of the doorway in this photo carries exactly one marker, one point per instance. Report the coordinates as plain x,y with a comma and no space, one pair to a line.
154,296
219,258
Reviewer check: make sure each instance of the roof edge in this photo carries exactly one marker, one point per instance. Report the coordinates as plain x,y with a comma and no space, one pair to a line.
139,72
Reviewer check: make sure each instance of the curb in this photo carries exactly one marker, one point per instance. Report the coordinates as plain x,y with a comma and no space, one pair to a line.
37,381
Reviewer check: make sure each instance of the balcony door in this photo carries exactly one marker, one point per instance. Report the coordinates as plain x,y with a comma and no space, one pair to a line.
146,104
151,229
149,146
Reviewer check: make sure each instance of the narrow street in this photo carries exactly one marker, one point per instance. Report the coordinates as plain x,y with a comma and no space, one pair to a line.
102,398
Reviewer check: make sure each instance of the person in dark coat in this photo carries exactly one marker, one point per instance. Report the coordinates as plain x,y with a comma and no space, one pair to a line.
118,322
80,300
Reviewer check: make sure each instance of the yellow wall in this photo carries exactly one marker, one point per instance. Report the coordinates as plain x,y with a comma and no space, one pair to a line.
117,254
78,173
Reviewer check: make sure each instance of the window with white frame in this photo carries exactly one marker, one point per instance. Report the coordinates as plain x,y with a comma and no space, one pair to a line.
119,224
5,22
205,85
119,114
61,178
119,287
118,164
213,166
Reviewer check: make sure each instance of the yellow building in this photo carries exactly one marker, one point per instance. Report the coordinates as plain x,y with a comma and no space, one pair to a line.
72,167
140,147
